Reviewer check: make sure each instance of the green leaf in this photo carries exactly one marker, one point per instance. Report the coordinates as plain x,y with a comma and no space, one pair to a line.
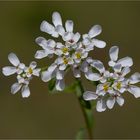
51,85
80,134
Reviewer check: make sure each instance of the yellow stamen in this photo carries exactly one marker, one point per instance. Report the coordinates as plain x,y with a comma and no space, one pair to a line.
118,85
65,60
78,55
30,71
65,50
106,87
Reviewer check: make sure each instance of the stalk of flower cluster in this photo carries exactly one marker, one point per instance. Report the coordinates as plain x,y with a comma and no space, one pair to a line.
85,107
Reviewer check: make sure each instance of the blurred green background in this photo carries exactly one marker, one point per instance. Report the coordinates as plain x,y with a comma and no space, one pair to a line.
59,116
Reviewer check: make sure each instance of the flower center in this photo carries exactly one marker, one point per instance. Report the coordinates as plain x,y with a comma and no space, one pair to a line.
71,41
30,71
65,60
78,55
118,85
106,87
65,50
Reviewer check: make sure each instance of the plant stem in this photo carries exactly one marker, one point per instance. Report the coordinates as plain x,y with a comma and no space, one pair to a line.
85,107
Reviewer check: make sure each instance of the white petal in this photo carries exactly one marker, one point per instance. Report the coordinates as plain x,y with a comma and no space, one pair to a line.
60,85
117,68
56,19
46,27
110,102
113,53
9,70
125,62
98,43
46,76
99,66
100,107
111,63
135,78
120,100
94,31
36,72
41,41
84,66
60,30
69,26
51,43
76,37
92,76
21,66
67,36
125,71
55,34
76,72
13,59
89,95
59,75
86,41
33,64
15,88
135,91
41,54
25,91
62,67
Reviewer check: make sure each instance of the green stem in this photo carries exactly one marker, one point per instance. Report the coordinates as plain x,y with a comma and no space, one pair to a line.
85,107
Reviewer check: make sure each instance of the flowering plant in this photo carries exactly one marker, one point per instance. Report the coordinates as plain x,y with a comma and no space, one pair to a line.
72,54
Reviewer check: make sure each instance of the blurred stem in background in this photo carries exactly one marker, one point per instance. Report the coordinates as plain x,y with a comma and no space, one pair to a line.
86,108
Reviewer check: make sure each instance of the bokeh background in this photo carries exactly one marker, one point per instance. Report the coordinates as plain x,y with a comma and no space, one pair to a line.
59,116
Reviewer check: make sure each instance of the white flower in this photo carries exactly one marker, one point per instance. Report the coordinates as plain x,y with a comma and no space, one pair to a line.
114,98
79,54
24,74
31,70
86,67
48,47
62,49
64,61
25,91
135,78
69,37
53,30
89,39
113,53
16,68
100,105
54,71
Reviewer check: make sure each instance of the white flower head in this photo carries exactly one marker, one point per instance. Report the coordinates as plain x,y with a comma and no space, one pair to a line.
71,52
24,74
89,39
112,83
16,68
113,53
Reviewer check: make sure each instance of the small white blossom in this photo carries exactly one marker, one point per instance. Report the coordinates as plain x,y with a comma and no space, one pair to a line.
55,29
24,74
16,68
89,39
48,47
113,53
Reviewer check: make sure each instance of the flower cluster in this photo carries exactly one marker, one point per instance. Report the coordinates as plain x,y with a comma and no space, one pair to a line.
113,82
24,74
71,53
